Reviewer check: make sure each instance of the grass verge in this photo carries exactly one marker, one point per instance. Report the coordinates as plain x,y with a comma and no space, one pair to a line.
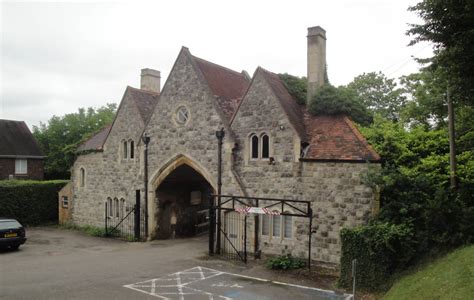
88,229
450,277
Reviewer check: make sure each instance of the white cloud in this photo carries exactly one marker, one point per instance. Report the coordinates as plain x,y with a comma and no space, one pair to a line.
57,57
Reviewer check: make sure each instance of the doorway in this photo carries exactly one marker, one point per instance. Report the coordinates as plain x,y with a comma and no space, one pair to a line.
182,201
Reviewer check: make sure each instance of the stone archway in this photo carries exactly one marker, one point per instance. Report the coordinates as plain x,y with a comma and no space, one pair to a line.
179,192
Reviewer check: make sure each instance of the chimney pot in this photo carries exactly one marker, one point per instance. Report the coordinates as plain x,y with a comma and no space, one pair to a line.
316,59
150,80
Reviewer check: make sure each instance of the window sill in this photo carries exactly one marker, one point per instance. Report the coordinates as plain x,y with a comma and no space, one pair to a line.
282,240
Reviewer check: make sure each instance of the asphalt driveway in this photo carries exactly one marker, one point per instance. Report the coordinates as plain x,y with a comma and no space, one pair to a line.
64,264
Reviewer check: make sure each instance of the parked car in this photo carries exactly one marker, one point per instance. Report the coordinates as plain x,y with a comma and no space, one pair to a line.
12,234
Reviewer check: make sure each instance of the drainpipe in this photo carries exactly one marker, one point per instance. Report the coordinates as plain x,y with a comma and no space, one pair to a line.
220,137
146,141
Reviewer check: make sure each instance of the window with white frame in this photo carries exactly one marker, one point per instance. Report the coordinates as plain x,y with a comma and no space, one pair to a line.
110,211
287,227
122,208
65,202
21,166
116,208
277,226
265,224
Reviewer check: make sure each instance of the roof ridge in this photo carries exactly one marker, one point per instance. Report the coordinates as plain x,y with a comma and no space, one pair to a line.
290,106
265,70
222,67
16,139
144,91
243,97
139,103
102,130
361,138
8,120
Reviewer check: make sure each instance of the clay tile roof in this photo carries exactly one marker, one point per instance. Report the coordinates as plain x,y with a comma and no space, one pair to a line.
291,107
16,140
95,142
336,138
145,101
228,85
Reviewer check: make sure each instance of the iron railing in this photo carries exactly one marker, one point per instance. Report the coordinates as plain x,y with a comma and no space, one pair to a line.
121,222
226,206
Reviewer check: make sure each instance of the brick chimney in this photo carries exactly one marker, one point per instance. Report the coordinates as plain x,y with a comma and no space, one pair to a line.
316,59
150,80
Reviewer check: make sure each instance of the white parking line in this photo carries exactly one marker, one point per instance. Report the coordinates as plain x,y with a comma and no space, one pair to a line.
180,289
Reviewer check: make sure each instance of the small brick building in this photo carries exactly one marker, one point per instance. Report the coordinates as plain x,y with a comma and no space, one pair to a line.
273,147
20,155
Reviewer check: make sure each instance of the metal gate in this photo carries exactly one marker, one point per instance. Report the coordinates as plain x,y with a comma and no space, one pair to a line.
125,221
122,225
233,233
229,222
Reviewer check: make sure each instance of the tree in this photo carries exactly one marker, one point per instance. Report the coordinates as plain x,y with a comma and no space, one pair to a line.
449,25
426,103
379,94
60,137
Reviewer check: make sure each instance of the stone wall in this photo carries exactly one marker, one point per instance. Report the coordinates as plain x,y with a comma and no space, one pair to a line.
335,189
107,173
87,206
64,212
339,199
194,142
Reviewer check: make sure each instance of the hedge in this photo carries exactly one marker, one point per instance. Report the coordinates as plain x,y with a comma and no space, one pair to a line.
380,250
30,202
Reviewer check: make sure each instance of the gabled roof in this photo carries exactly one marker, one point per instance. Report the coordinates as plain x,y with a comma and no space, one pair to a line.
16,140
290,106
336,138
227,85
95,142
145,101
328,137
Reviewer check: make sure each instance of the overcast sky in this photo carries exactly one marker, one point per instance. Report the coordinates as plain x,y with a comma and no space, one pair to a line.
59,56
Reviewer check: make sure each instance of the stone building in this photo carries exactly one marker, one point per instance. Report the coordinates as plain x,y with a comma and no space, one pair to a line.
272,148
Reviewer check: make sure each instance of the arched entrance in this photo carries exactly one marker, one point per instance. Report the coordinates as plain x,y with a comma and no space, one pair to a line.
182,202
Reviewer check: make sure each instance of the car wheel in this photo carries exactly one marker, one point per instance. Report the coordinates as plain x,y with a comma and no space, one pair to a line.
15,247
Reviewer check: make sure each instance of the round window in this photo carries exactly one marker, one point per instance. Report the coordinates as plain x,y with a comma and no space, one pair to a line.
182,115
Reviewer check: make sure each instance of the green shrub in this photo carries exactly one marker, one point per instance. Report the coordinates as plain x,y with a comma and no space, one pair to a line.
330,100
285,262
380,250
296,86
30,202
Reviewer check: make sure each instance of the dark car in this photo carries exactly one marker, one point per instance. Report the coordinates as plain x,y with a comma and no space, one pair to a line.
12,234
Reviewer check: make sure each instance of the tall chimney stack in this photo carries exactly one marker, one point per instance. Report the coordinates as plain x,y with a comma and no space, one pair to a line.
316,59
150,80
